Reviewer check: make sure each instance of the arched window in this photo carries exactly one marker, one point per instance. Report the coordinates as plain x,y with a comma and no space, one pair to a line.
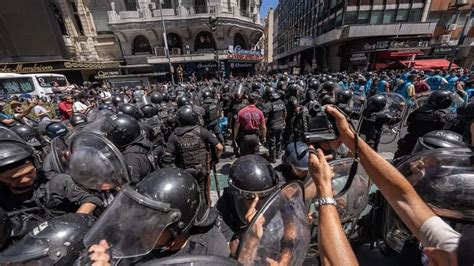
141,45
204,40
239,40
174,41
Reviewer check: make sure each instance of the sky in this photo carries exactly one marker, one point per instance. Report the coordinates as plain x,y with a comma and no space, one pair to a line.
266,4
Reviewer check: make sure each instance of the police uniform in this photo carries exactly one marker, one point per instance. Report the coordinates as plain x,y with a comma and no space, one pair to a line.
275,112
211,117
291,105
188,148
232,227
139,160
372,124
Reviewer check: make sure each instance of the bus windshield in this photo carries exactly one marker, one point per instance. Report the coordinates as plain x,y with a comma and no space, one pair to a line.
16,85
46,82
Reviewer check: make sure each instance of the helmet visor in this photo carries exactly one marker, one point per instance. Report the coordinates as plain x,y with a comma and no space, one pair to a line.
125,236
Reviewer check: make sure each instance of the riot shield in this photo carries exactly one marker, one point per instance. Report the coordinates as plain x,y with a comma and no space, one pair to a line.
358,101
194,260
279,232
96,163
102,124
59,157
443,178
396,107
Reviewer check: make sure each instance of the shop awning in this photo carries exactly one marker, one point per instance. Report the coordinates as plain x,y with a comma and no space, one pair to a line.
424,64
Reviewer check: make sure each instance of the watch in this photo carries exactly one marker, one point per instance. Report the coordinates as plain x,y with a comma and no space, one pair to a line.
325,201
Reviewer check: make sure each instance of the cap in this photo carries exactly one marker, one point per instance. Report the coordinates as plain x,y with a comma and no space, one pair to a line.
14,105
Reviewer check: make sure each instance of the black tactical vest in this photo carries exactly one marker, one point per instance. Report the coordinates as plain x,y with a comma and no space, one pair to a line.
276,115
212,111
191,150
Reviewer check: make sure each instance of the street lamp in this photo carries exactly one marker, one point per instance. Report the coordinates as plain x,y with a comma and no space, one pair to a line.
459,4
167,51
212,23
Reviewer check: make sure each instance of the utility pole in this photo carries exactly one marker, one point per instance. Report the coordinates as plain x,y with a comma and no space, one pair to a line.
167,51
212,23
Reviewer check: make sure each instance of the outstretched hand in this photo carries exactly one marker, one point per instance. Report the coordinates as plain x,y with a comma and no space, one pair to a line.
99,254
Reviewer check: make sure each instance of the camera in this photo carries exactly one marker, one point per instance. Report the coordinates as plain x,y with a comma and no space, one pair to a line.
315,125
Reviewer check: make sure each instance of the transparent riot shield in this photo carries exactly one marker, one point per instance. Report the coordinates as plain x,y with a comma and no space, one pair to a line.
58,158
279,232
194,260
96,163
417,101
443,178
396,107
357,105
102,124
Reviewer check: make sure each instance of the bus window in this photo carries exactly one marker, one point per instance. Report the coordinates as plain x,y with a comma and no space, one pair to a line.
16,85
46,82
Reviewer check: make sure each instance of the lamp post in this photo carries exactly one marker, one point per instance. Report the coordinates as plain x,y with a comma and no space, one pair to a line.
167,51
212,23
463,34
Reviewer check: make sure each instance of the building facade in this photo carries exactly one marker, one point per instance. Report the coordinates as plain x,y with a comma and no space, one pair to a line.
356,34
191,41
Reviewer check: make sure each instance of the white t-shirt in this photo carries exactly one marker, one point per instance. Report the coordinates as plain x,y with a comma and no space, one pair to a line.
38,109
105,95
79,107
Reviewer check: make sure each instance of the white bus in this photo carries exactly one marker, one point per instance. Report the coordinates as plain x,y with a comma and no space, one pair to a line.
33,84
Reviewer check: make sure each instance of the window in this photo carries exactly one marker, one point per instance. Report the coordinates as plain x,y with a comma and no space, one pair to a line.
352,2
16,85
389,16
131,5
48,81
415,15
351,18
240,41
141,45
77,18
363,17
59,17
402,15
204,40
167,4
377,17
339,20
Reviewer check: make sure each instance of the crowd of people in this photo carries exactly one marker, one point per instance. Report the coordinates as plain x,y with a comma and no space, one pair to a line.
115,176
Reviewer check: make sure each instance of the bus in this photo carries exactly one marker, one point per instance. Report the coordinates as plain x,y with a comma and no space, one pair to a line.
32,84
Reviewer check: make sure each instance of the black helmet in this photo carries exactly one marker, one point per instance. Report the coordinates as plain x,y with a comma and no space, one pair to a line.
251,176
14,151
343,97
207,95
148,111
297,156
77,119
314,85
56,129
182,101
27,133
440,99
187,116
166,97
57,241
116,100
156,97
439,139
255,86
128,109
107,106
126,131
376,103
239,91
167,200
293,89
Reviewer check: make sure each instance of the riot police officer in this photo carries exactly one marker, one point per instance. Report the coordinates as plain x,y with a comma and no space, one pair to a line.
212,114
292,107
251,180
343,97
429,117
29,197
275,113
175,222
78,120
189,148
373,120
238,102
136,149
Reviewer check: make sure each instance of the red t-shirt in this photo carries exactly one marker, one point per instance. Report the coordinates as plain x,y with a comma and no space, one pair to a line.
65,109
250,118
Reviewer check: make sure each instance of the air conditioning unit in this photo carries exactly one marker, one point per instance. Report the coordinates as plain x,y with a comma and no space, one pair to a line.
444,39
176,51
160,51
452,27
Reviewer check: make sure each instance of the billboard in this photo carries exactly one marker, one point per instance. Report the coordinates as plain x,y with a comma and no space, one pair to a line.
29,32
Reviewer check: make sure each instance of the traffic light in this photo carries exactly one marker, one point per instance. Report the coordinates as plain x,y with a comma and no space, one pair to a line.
212,23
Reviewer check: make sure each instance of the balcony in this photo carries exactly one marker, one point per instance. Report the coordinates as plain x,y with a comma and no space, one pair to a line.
179,13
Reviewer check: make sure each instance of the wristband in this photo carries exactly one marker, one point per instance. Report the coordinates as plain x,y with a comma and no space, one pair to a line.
325,201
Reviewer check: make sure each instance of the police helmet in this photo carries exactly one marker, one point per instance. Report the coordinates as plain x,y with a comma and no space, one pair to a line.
128,109
376,103
77,119
251,176
182,101
439,139
343,97
297,156
239,91
55,242
293,89
156,97
207,95
56,129
126,131
314,85
14,151
27,133
107,106
148,111
255,86
116,100
440,99
187,116
166,97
